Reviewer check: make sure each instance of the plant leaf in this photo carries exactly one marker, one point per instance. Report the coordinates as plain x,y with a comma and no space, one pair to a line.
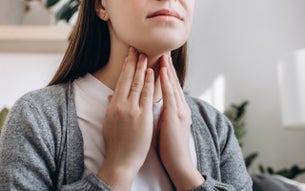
270,170
250,158
67,10
3,114
261,169
50,3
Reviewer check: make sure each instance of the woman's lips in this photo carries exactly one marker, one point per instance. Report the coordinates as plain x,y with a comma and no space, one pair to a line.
165,12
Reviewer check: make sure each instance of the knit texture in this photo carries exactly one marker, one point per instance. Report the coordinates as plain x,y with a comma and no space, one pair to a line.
41,146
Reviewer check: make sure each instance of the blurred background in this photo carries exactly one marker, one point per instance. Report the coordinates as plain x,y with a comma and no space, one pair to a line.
239,51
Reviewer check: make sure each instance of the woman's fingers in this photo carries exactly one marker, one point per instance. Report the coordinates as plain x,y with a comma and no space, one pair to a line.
131,81
174,75
122,88
148,91
138,79
168,91
177,93
172,69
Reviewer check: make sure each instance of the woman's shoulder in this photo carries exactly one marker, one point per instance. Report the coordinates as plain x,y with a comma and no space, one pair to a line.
205,116
36,126
46,102
46,97
39,108
49,93
199,106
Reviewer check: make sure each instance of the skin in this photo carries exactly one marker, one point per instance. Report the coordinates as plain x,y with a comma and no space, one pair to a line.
129,26
145,75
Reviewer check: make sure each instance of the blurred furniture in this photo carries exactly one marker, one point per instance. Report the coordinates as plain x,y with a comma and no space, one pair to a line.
34,39
275,183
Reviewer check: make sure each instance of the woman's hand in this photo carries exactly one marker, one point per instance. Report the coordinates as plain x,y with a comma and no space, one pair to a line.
174,130
128,124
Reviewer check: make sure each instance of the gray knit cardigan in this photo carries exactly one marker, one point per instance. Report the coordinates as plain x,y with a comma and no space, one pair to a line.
41,146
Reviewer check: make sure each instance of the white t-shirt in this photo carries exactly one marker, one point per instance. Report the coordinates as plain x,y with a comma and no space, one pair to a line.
91,100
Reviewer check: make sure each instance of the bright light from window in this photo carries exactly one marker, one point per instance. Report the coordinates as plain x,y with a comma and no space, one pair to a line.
215,94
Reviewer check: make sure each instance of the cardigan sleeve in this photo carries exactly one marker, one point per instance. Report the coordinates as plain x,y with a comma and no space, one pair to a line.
90,182
28,153
233,175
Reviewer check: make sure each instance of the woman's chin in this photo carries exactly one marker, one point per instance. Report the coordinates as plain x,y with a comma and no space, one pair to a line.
158,49
152,44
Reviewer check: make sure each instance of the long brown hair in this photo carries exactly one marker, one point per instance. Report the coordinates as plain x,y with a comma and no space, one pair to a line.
89,48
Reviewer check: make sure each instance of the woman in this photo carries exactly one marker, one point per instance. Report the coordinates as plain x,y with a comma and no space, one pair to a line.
114,117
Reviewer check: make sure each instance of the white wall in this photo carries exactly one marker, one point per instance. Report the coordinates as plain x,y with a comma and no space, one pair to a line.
242,40
20,73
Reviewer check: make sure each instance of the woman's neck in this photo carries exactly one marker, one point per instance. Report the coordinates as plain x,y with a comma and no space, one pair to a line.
110,73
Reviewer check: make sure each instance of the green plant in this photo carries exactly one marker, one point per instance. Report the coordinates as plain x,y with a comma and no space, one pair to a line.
3,114
291,172
236,114
65,12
